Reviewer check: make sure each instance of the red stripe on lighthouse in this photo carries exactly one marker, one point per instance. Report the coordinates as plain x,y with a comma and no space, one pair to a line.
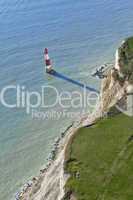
46,51
47,59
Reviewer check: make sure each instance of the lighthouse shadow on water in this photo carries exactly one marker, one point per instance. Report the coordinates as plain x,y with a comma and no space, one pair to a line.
51,71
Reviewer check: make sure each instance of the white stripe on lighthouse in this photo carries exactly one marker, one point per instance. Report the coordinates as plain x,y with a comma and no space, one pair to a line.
47,57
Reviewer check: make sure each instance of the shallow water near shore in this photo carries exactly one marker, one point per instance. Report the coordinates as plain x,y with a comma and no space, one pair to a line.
79,38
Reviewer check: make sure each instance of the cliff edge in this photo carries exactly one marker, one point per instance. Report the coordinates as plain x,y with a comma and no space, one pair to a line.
119,80
98,155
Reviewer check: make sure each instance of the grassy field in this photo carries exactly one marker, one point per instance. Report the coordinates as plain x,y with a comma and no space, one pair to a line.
100,161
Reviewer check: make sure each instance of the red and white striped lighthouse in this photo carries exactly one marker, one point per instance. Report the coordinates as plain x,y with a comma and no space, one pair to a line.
48,63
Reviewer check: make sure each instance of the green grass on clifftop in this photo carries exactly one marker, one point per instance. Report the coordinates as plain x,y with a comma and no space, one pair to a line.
126,58
100,161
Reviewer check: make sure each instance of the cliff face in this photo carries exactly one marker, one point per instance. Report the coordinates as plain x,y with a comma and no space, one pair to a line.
115,89
112,91
119,80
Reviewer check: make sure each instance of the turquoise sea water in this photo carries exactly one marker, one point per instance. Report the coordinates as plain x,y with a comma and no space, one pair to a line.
80,36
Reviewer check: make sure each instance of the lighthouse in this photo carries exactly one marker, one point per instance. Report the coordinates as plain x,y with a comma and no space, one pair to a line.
48,63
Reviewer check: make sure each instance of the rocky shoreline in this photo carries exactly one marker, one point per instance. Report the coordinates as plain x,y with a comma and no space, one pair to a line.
36,188
40,187
52,156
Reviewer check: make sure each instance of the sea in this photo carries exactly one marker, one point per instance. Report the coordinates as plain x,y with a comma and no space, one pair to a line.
80,36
